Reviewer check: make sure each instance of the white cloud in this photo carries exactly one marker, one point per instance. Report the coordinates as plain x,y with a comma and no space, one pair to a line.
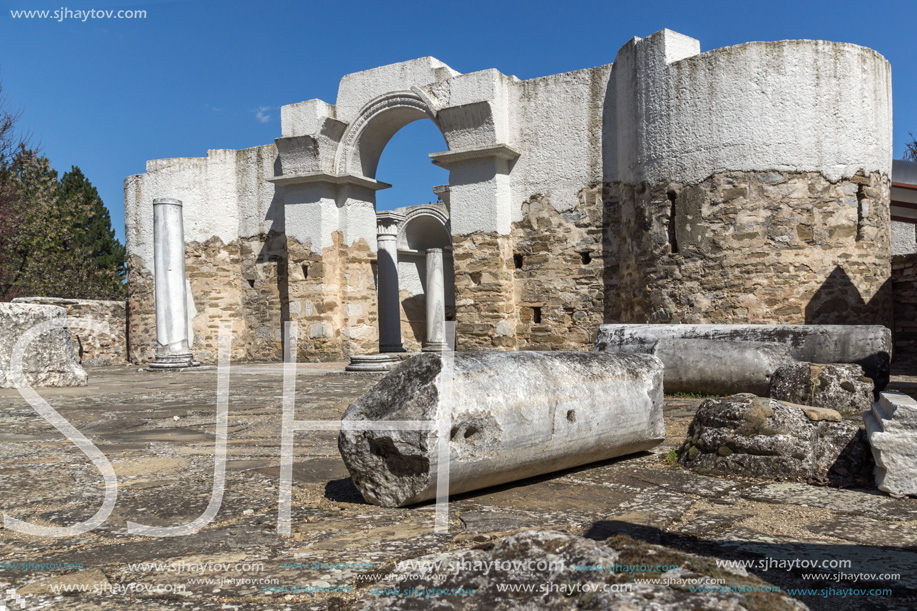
262,114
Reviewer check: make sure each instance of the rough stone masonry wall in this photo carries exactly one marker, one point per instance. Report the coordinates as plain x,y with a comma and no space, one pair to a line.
141,312
559,283
235,282
750,247
258,283
904,284
333,296
484,293
94,349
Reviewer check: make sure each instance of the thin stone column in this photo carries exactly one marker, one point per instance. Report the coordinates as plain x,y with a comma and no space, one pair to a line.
389,302
436,303
173,349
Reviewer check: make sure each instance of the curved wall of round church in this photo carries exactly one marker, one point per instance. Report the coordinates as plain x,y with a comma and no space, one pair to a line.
753,187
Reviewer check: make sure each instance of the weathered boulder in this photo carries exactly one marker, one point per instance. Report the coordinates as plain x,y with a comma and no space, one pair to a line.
892,430
50,359
510,415
557,571
748,435
733,358
841,387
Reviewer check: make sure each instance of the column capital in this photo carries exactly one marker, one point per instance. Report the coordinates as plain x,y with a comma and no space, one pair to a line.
388,223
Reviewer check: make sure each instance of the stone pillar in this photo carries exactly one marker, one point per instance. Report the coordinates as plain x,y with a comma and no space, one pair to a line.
389,302
172,346
436,303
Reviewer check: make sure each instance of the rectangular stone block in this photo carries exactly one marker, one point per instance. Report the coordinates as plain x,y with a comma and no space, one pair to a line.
892,430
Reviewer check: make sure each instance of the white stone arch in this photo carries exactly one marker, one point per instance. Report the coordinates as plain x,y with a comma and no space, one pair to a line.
381,118
431,216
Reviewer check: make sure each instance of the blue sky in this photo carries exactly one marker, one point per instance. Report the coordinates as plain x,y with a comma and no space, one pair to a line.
108,94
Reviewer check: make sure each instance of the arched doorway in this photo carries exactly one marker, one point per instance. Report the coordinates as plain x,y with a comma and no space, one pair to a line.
416,272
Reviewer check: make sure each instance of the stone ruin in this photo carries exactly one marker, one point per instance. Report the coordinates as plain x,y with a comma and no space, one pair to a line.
736,201
747,184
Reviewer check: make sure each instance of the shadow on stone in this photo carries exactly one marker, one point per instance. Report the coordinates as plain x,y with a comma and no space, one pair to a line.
838,302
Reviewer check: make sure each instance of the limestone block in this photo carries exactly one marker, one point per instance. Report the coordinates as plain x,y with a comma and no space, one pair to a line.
748,435
513,415
50,359
839,387
892,430
723,359
94,348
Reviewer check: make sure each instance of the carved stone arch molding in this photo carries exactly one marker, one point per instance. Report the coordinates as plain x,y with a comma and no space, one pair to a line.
435,217
363,142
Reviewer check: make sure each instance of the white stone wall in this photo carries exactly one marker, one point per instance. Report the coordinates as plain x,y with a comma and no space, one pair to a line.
559,121
662,112
223,195
797,105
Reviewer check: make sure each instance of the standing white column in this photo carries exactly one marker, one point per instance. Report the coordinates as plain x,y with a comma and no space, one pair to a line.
389,301
172,347
436,303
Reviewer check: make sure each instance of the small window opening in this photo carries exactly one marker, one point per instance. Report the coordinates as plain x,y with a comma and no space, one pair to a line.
536,315
518,260
586,257
305,271
862,211
673,239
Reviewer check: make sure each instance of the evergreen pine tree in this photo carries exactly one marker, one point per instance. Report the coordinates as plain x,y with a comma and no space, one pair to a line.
94,235
63,244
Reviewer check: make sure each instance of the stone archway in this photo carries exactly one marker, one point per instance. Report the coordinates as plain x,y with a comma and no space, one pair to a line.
416,279
327,163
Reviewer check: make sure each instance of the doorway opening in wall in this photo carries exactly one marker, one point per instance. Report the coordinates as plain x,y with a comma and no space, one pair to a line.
405,164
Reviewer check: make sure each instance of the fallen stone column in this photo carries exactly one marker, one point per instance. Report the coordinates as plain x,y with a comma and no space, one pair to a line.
513,415
891,427
728,359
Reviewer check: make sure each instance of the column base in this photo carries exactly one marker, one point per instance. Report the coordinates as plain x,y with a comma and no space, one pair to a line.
393,348
435,347
373,362
174,361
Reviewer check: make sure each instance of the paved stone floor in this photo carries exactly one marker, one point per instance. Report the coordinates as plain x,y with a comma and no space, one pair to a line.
158,432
